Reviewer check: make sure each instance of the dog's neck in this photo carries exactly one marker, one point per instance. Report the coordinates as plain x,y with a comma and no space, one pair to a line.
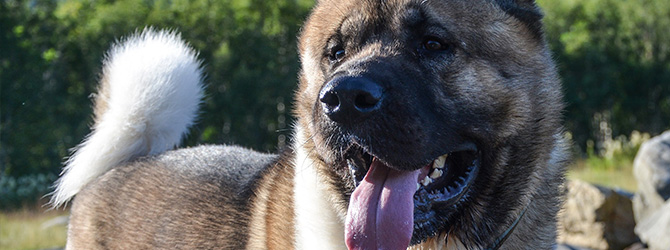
449,242
501,239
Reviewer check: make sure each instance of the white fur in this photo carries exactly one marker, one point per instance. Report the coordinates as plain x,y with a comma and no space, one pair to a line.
317,224
310,63
155,88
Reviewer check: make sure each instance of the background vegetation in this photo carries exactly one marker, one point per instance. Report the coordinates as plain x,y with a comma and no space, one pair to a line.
614,57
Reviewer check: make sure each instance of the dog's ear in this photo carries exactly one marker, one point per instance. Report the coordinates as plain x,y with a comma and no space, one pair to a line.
525,11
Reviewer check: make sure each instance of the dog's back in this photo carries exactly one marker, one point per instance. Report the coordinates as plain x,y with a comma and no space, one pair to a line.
183,199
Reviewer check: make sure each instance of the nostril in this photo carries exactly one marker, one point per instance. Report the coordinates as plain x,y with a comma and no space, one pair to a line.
330,99
366,100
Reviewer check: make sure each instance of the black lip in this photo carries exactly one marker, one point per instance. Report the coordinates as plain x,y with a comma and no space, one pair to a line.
433,205
462,168
359,163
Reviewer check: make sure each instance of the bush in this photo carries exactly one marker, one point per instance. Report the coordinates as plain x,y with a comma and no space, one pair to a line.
23,191
614,59
616,154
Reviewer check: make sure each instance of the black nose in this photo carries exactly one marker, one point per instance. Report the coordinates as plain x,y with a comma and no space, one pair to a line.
349,99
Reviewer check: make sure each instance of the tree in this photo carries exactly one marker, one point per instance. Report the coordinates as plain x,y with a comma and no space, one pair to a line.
614,57
51,53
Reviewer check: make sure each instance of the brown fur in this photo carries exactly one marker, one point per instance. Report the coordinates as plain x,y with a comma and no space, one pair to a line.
498,87
157,202
504,66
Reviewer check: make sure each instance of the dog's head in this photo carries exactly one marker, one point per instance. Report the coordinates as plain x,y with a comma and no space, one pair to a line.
428,116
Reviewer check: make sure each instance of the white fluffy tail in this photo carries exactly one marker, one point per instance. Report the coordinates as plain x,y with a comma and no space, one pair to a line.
151,88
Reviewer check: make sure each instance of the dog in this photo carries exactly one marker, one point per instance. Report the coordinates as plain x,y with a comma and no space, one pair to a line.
421,124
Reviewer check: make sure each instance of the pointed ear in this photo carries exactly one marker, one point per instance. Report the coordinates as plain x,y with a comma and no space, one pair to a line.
525,11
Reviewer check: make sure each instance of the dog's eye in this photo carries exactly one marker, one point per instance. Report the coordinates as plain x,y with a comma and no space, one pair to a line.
337,54
432,44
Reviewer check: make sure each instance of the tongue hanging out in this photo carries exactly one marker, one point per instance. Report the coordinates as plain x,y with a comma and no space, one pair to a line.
381,209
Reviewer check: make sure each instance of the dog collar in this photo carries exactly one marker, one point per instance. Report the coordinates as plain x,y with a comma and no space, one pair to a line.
499,241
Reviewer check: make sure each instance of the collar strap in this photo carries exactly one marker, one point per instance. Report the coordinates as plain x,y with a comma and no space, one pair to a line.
499,241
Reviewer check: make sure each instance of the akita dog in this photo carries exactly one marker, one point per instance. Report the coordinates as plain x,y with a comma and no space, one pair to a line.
425,124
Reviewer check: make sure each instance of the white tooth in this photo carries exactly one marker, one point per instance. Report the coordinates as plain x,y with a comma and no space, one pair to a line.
436,174
418,186
426,181
439,162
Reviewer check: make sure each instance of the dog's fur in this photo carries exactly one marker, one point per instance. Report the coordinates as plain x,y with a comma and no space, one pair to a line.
389,85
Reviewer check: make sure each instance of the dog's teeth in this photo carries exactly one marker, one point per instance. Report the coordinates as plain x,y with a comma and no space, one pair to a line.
418,186
439,162
436,174
426,181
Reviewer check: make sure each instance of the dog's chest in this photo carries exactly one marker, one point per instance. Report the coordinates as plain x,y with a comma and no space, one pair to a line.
317,224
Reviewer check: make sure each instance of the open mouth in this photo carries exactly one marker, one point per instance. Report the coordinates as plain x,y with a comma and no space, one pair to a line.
448,177
391,198
444,181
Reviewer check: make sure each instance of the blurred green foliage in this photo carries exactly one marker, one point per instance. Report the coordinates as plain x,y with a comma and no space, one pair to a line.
20,192
614,57
51,53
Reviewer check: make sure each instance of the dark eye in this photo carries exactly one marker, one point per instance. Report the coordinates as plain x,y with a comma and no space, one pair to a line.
337,54
432,44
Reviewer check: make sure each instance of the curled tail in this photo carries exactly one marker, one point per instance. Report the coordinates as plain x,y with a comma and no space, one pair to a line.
150,90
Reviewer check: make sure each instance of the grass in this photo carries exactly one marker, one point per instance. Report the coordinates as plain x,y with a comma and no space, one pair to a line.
613,178
24,230
612,166
612,173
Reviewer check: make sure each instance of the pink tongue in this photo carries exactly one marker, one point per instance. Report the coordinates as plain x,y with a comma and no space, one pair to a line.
381,209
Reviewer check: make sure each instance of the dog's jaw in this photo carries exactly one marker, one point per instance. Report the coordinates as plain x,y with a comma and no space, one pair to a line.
441,188
318,223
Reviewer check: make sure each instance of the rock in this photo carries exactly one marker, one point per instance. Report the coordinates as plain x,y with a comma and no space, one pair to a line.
596,217
655,229
652,172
